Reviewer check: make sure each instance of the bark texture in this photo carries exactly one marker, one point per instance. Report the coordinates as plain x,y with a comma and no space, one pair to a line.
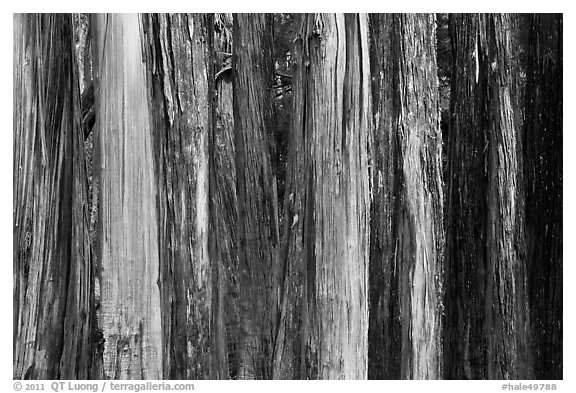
407,234
51,249
327,204
258,235
543,169
224,210
127,284
486,302
180,62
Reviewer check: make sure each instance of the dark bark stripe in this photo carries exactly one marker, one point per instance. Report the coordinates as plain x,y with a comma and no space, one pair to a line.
179,61
45,146
543,171
258,235
486,272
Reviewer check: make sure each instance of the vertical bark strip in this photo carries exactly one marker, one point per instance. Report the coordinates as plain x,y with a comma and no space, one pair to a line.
45,104
327,201
258,234
407,238
224,220
543,170
384,332
486,301
181,74
128,253
79,352
223,190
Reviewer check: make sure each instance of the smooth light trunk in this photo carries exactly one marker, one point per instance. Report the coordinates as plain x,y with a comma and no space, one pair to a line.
127,284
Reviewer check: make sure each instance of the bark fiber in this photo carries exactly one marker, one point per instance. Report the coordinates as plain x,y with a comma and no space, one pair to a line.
128,263
323,331
258,236
486,302
543,170
52,270
407,234
180,64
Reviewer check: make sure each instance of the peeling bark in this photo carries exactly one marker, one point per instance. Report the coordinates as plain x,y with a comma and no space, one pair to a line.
327,204
224,220
258,235
407,234
51,259
543,171
180,62
128,233
225,203
486,269
80,351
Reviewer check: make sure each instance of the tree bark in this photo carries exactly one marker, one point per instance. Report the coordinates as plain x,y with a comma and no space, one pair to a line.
180,62
258,234
543,171
407,234
486,302
327,203
127,284
51,251
223,190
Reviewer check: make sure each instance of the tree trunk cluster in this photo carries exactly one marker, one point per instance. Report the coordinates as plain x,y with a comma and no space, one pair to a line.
150,240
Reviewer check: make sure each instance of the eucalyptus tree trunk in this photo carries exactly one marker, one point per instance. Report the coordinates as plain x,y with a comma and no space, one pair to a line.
543,170
51,248
407,233
128,252
486,302
327,204
258,236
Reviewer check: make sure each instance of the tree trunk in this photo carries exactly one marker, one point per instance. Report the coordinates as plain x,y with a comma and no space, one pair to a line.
486,300
407,234
181,69
327,203
127,284
223,190
256,187
51,250
543,170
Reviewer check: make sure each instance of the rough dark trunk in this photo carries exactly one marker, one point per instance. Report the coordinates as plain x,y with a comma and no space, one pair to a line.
51,250
543,170
224,211
127,284
180,61
486,302
407,234
258,235
327,204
